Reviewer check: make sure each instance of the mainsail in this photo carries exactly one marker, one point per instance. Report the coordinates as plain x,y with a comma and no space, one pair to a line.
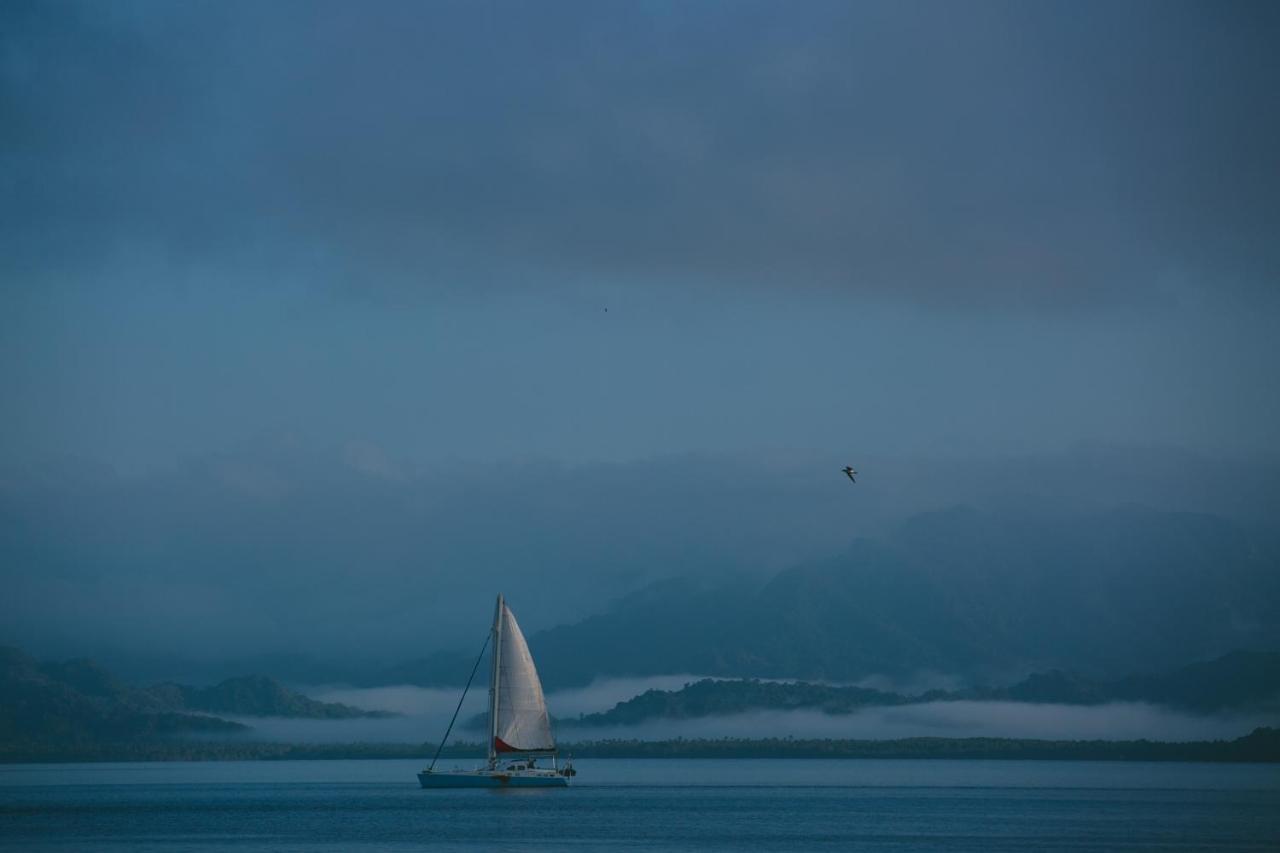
518,710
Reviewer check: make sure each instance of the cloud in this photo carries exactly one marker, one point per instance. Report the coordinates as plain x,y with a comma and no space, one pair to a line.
299,552
1115,721
425,713
986,154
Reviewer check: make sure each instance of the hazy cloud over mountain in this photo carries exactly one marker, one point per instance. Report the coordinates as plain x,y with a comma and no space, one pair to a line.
359,559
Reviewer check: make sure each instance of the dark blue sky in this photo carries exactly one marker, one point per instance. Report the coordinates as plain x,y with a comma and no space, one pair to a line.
909,227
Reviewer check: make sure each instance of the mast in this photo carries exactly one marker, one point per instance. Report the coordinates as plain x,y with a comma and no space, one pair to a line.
495,663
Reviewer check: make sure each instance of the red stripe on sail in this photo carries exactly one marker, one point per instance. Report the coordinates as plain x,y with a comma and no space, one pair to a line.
500,745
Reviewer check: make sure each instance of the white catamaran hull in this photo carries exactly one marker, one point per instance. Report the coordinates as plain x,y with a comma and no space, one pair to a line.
491,779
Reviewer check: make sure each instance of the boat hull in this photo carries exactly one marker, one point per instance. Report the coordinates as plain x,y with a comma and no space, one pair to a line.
490,779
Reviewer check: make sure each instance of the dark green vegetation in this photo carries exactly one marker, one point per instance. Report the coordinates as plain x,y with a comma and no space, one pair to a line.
1240,680
256,696
960,591
1237,680
1262,744
77,704
710,697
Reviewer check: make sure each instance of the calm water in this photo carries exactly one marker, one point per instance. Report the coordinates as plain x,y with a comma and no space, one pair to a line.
646,805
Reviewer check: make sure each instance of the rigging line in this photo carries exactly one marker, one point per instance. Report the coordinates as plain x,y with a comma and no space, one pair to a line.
445,739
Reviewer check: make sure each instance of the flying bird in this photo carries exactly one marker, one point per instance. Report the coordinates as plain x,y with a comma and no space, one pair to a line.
850,473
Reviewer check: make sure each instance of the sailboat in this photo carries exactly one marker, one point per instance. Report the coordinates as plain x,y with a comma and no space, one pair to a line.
519,728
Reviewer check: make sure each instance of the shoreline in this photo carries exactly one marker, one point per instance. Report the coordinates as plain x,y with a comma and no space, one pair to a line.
1260,746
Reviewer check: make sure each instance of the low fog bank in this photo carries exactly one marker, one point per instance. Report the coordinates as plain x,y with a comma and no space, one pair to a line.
568,703
1116,721
425,713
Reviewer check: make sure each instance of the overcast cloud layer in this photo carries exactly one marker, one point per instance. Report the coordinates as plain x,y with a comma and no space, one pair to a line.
990,153
606,231
333,314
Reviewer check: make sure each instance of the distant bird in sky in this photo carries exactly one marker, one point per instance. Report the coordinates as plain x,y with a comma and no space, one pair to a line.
850,473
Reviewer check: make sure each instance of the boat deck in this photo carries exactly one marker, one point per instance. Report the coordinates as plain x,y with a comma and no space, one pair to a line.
492,779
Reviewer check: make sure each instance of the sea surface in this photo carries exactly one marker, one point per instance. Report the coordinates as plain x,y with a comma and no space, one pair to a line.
649,804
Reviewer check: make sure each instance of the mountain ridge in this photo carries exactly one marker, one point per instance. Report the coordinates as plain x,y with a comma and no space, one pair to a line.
79,701
957,591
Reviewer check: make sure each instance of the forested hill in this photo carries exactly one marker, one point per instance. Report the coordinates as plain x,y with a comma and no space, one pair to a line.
1237,681
78,701
254,696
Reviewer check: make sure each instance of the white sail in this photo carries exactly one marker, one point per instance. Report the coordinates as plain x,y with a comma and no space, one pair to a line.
521,723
